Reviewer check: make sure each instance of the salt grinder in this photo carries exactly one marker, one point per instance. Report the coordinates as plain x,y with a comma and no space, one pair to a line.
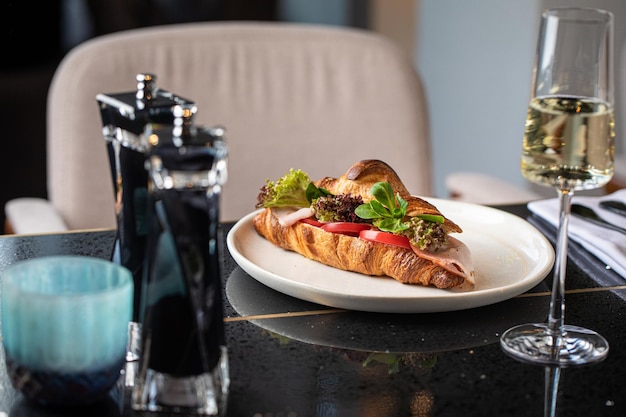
183,366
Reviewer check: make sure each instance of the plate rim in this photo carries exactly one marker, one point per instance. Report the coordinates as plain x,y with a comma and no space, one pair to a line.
409,304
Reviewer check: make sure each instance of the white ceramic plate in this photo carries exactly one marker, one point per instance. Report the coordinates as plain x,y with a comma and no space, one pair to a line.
510,257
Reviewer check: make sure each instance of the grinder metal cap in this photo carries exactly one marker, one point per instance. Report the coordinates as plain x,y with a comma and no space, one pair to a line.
126,115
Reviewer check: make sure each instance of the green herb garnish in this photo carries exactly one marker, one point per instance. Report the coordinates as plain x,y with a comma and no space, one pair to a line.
387,211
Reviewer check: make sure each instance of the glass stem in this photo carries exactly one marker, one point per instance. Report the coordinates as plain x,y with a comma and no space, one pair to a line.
556,316
552,376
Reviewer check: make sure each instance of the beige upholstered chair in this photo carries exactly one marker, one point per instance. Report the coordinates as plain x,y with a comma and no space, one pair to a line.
290,96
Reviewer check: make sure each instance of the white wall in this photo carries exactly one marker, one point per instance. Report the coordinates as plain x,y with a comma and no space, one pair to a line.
476,59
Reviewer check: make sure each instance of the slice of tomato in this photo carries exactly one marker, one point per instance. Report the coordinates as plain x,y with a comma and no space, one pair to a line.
345,228
312,221
385,237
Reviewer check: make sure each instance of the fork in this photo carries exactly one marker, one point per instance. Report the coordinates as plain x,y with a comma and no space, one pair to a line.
588,214
614,206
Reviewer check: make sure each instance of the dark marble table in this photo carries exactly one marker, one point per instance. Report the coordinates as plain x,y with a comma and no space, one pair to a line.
292,358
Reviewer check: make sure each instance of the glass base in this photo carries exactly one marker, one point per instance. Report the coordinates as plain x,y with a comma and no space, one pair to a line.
204,394
133,352
536,343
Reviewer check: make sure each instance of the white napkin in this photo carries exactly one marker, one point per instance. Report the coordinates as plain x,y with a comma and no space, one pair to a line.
607,245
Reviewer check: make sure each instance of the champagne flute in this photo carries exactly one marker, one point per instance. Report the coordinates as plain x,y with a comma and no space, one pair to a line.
568,144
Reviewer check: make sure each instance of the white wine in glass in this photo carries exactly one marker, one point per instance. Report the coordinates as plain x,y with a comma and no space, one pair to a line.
569,145
568,142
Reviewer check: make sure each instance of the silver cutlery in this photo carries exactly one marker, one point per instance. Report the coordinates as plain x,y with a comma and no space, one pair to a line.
592,217
614,206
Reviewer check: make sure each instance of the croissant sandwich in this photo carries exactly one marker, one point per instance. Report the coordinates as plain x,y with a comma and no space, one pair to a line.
366,221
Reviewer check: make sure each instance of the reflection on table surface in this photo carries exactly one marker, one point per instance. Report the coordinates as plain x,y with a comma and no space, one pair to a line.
422,333
295,358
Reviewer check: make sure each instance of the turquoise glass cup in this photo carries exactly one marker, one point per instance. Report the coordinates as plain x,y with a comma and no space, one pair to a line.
65,327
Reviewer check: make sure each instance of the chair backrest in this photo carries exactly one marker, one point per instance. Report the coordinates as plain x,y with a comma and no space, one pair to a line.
307,97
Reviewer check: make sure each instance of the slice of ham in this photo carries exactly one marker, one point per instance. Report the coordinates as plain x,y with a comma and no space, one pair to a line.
454,257
288,216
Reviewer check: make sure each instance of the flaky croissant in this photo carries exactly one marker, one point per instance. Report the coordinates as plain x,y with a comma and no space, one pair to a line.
366,257
354,254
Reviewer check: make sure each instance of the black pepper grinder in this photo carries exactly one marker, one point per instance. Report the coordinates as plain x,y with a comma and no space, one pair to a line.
183,365
125,117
